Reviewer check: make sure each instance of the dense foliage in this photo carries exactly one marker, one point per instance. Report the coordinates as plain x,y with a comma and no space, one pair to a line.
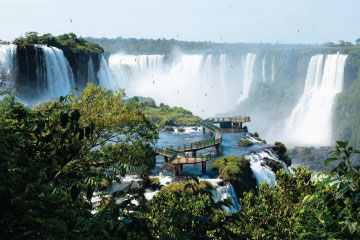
237,171
281,152
66,42
164,115
245,142
56,156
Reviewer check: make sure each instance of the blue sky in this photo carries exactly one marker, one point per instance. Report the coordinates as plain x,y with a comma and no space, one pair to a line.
317,21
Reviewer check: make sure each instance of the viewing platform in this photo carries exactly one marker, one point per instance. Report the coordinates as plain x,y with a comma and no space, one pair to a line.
187,153
230,124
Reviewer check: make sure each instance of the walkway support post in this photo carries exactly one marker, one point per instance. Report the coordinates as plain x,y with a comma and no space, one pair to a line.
203,167
166,160
217,148
177,169
203,129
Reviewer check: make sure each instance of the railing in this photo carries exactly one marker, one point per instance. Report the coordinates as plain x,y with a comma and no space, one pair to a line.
210,126
228,119
177,153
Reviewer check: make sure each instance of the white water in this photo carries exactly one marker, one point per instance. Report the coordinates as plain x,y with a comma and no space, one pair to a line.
220,193
273,70
262,173
263,70
91,72
7,58
310,122
248,76
60,79
105,76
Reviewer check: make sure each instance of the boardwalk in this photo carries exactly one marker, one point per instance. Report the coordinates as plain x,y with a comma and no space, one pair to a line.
186,154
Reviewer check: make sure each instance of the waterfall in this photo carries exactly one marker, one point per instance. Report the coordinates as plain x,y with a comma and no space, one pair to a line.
60,79
105,76
263,70
185,80
7,58
262,173
310,122
220,193
91,72
248,76
223,78
273,70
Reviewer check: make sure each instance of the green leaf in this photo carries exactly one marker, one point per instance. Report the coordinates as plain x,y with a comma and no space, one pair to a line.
342,144
64,118
330,160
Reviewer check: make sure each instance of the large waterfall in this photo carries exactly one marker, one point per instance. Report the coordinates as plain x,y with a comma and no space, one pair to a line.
310,122
205,84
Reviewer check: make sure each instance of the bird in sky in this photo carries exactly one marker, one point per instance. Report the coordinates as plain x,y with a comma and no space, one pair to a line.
205,94
153,82
298,30
70,20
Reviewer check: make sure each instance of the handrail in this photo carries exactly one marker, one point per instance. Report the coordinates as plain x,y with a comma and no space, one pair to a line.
227,119
176,152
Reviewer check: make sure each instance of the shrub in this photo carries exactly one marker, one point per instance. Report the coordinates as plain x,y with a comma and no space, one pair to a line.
237,171
245,142
180,129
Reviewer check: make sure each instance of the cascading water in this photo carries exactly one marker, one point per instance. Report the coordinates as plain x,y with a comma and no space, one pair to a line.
59,76
105,76
310,122
195,82
220,193
263,70
262,173
7,58
223,76
91,72
248,76
273,70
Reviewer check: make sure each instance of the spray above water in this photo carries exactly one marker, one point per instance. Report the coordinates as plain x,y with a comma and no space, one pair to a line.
310,122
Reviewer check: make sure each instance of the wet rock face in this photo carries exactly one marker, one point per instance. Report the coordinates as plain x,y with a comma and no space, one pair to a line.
79,63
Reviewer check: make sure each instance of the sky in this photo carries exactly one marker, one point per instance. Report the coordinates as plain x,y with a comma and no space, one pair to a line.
253,21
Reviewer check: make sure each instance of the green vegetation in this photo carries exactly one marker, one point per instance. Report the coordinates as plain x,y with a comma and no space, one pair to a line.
235,170
194,187
346,125
275,166
256,136
180,129
311,157
56,156
169,129
245,142
280,151
66,42
164,115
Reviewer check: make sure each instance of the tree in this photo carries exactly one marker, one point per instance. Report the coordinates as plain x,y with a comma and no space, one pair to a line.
357,41
56,156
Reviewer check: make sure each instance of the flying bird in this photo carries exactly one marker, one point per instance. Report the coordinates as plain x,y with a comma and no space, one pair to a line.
70,20
153,82
298,30
205,94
